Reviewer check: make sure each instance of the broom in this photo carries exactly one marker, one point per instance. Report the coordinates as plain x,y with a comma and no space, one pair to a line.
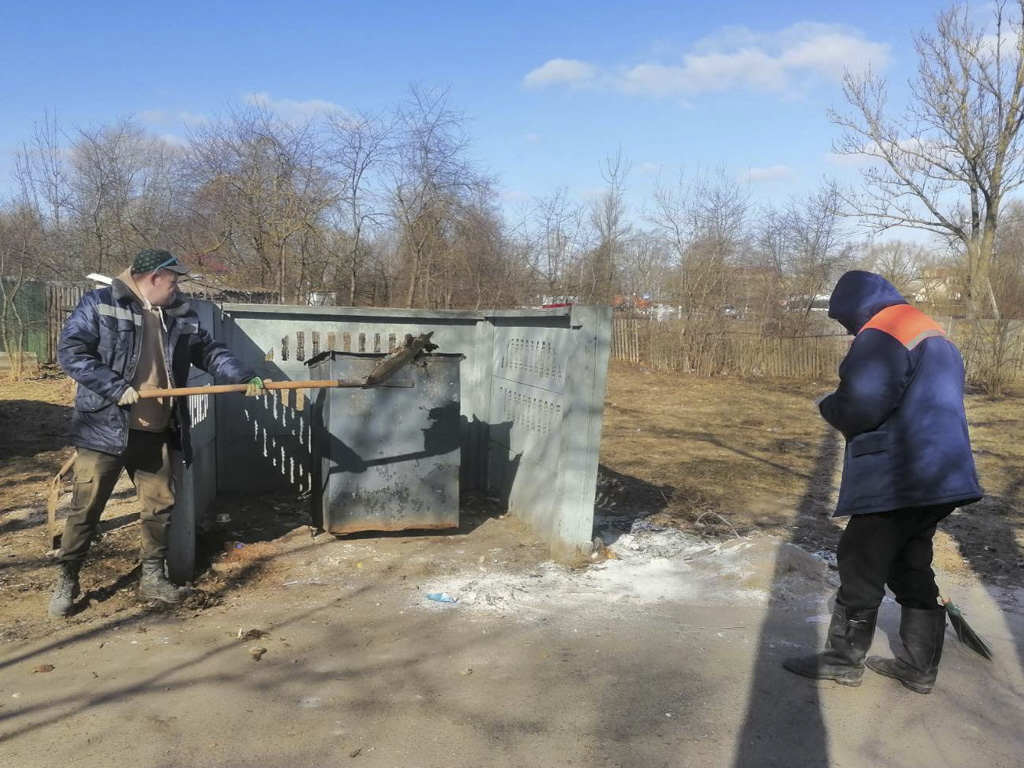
964,633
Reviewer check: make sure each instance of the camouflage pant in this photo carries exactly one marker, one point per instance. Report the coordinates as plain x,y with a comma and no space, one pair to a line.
148,461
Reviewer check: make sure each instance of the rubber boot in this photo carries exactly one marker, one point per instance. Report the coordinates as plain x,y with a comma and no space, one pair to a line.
154,584
63,601
922,632
849,637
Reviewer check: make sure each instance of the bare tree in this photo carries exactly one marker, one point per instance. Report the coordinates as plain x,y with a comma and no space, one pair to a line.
608,217
42,179
946,164
42,172
1008,262
703,221
359,148
475,271
432,175
763,285
819,245
559,239
19,244
897,261
797,252
644,266
111,166
263,183
1003,344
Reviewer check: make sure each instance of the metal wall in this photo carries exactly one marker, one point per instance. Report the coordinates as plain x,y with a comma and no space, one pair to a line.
547,404
532,394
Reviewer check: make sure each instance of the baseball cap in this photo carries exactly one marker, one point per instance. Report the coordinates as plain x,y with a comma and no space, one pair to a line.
153,259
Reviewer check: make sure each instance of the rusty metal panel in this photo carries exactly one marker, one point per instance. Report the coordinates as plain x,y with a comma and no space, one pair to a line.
387,458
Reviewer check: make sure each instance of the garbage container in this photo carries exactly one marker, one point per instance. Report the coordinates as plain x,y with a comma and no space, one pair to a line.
386,458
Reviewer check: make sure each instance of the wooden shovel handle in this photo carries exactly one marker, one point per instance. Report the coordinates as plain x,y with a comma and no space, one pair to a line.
217,389
381,374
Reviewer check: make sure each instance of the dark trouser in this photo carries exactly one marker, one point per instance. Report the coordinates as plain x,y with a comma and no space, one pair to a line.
893,548
148,461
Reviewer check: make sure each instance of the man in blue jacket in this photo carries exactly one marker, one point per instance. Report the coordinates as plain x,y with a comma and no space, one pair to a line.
908,464
120,341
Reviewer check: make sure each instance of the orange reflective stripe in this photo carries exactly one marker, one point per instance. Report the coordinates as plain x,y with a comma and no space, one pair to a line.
907,325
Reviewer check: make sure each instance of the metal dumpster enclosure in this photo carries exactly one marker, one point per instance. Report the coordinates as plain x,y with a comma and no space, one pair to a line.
530,403
386,458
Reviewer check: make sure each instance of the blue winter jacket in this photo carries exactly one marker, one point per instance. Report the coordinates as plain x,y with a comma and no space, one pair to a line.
100,347
900,404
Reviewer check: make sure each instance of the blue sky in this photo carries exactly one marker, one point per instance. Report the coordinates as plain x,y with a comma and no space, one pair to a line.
552,88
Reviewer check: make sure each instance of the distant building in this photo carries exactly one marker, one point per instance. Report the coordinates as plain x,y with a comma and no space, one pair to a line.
208,279
639,304
816,303
937,285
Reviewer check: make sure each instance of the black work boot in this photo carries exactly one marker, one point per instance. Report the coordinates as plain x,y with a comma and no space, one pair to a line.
154,585
849,637
67,589
922,632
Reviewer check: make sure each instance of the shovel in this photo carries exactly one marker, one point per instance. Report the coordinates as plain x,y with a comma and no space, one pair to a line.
379,376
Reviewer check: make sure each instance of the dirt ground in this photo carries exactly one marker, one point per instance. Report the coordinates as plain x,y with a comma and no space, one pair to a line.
710,457
297,649
718,456
245,552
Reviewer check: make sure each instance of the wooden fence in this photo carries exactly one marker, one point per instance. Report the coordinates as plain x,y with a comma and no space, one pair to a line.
40,311
62,300
992,352
672,346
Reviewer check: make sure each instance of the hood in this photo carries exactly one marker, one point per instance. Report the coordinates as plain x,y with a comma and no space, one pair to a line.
859,296
124,286
129,283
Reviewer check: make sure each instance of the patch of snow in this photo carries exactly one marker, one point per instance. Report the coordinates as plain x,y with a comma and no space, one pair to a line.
650,566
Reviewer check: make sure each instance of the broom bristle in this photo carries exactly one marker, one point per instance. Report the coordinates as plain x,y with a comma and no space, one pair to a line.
965,634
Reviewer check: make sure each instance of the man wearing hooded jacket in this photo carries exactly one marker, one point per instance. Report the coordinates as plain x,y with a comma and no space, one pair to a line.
136,335
908,464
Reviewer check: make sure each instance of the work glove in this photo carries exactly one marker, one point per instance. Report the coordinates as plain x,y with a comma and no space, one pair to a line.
254,387
129,397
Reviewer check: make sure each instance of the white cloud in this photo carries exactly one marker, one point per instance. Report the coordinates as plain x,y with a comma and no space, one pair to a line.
162,117
910,151
513,196
154,117
648,169
709,73
290,109
192,118
570,72
769,173
171,140
736,58
531,137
